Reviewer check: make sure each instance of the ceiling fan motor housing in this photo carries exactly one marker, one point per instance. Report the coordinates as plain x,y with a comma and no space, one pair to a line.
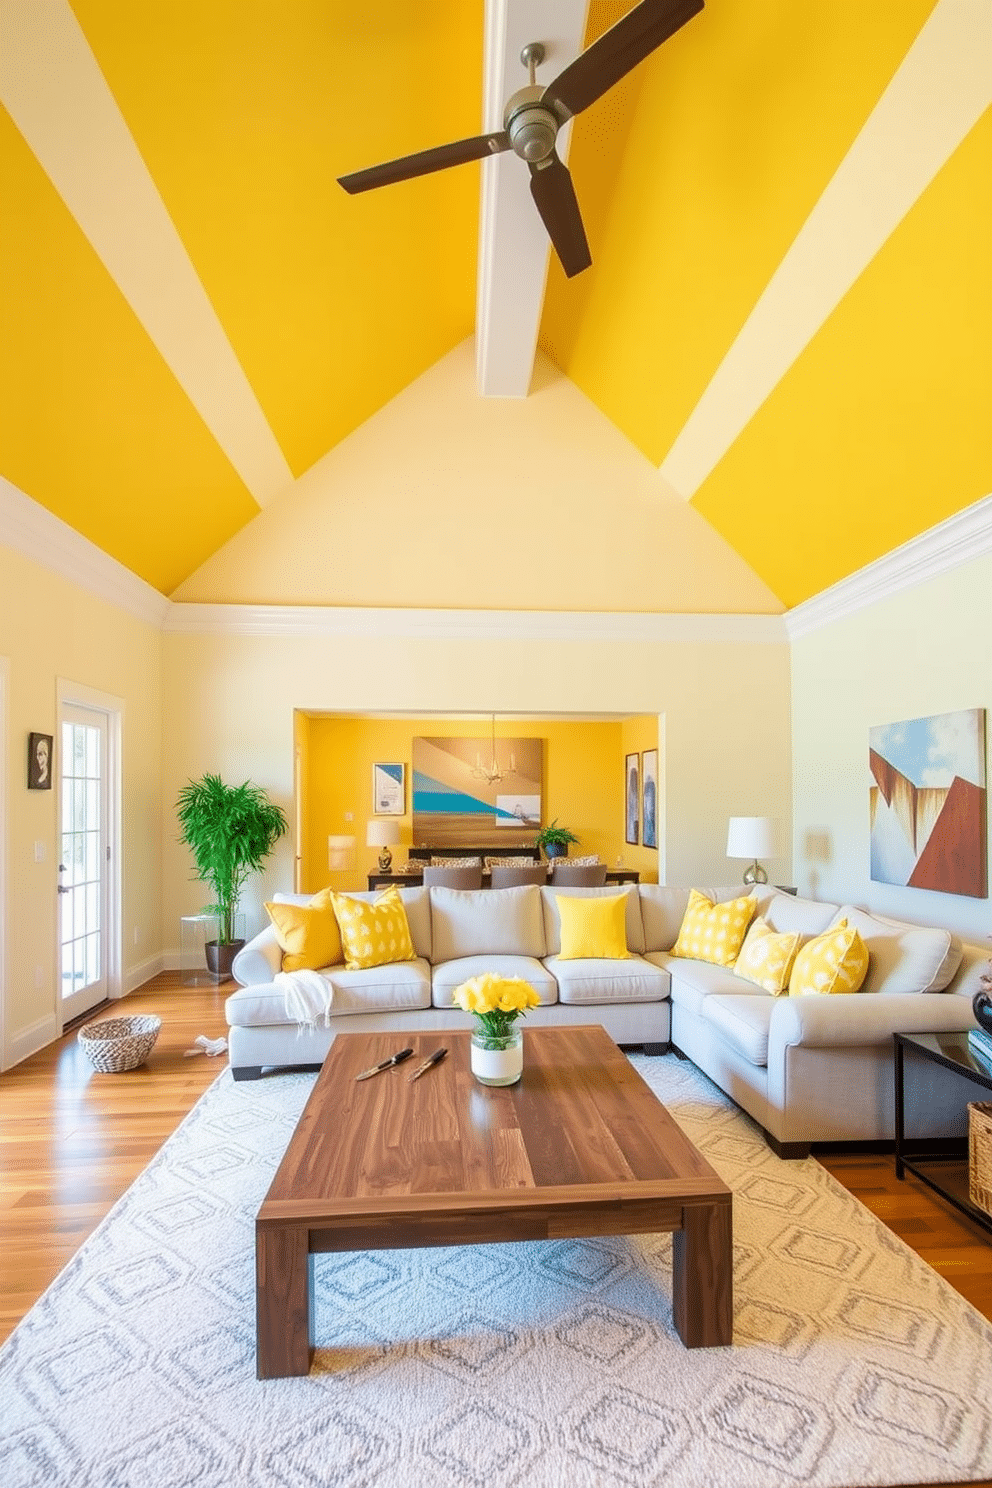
531,125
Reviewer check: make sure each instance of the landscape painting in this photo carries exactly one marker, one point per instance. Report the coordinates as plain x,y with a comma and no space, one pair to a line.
455,804
927,803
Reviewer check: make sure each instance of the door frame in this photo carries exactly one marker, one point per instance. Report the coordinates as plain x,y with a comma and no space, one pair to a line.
76,694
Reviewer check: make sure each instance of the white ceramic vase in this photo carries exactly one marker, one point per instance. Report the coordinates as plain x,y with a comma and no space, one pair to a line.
498,1061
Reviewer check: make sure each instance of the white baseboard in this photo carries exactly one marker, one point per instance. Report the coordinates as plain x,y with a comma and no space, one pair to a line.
136,976
22,1045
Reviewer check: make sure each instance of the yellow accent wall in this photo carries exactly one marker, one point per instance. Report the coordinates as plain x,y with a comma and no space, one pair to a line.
741,119
331,302
51,629
93,425
583,784
883,426
637,735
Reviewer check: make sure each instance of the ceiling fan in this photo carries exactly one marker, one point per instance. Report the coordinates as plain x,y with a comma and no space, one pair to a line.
534,114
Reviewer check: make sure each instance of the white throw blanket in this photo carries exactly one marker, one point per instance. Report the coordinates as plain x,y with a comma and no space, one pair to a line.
308,998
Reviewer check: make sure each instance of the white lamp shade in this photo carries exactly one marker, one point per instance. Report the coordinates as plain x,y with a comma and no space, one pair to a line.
340,852
382,833
752,837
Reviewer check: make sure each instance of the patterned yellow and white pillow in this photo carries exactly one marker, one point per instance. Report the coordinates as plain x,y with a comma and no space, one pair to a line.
836,961
714,932
373,934
766,957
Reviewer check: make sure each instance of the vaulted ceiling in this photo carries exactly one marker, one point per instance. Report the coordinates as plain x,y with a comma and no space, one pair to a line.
789,311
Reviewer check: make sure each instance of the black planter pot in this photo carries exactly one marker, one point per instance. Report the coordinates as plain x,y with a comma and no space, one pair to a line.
220,955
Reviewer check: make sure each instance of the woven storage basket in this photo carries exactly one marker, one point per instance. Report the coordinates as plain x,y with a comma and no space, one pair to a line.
119,1044
980,1155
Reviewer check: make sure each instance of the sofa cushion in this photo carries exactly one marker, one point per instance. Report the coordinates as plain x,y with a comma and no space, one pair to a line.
593,927
450,974
766,957
397,987
835,961
633,979
663,909
552,920
714,932
693,981
743,1022
904,957
308,934
375,934
481,922
786,913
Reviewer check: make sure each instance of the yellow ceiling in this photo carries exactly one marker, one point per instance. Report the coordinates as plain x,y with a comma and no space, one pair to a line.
696,176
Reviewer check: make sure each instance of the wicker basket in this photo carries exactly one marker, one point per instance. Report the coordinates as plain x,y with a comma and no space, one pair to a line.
980,1155
119,1044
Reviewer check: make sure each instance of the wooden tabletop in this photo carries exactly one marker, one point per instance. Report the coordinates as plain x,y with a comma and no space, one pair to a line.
580,1116
580,1146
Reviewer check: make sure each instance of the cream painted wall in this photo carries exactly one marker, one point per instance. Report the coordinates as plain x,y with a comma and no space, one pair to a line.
926,650
445,499
50,629
230,700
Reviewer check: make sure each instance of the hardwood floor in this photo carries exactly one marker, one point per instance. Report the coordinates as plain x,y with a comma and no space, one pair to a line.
72,1141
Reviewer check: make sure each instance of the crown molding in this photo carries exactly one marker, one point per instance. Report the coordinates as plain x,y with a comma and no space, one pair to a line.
32,530
963,537
471,625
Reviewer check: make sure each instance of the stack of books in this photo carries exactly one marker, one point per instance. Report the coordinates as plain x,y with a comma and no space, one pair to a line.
980,1044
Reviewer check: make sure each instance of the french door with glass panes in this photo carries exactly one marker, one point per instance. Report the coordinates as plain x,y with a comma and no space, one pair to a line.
83,863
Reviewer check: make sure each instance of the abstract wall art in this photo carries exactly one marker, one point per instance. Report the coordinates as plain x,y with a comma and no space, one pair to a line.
927,803
455,803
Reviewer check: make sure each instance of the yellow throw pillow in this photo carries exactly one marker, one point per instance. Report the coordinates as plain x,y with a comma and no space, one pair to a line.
766,957
593,927
308,934
373,934
836,961
714,932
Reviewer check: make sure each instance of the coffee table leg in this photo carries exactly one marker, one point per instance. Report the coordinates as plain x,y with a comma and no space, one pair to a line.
283,1302
703,1276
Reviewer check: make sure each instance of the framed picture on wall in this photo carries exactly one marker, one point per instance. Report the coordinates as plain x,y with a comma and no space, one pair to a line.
389,789
632,798
649,797
40,762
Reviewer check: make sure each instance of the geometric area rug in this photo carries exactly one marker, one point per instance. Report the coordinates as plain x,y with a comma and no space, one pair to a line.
535,1365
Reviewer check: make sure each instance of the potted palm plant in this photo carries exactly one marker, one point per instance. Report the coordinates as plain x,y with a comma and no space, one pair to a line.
230,830
554,839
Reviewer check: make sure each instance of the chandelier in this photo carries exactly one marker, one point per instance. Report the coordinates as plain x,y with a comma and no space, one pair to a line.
492,773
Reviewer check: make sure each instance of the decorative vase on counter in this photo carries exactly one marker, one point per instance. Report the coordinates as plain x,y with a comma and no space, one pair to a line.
498,1060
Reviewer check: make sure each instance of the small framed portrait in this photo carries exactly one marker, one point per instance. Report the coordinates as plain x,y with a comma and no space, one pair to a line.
388,790
632,798
41,761
649,797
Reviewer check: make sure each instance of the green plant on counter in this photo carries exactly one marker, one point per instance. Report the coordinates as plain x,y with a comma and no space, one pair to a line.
555,839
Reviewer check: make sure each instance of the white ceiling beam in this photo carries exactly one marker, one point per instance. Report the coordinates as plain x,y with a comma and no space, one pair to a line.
513,244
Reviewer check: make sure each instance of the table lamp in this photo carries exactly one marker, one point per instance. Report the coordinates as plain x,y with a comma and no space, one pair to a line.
752,837
383,834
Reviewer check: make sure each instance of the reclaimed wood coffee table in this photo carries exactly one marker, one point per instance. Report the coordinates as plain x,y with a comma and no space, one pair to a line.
579,1147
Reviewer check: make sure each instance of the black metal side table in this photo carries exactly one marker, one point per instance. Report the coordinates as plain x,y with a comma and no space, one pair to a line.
939,1162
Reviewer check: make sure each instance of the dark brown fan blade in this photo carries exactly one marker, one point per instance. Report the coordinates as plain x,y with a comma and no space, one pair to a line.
616,53
426,161
552,189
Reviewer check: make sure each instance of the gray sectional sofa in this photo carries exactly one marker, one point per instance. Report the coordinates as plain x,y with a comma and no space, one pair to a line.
807,1069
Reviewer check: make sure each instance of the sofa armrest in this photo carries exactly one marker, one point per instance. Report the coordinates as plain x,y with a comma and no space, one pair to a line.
259,960
861,1020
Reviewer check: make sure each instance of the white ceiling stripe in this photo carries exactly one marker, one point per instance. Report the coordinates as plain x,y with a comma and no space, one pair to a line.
53,89
513,244
937,95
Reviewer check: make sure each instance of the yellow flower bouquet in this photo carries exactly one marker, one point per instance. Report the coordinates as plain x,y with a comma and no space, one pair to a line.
497,1002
